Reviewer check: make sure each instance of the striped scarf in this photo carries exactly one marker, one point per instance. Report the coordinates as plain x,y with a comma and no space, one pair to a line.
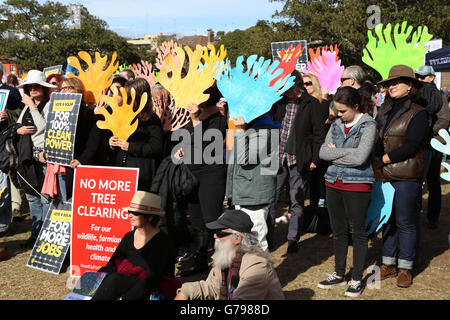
230,277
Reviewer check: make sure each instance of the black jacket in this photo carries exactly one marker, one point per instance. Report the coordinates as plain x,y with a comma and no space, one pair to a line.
431,100
144,152
308,133
14,98
173,182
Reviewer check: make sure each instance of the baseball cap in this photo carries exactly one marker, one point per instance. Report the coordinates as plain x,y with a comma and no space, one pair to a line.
425,70
236,220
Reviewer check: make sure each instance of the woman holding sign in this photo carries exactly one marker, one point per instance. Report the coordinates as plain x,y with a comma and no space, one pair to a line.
30,147
89,139
144,147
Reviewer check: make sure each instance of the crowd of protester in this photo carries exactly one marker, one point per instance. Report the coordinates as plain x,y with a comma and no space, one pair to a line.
334,146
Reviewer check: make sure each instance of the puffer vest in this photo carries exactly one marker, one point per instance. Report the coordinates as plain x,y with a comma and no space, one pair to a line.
411,169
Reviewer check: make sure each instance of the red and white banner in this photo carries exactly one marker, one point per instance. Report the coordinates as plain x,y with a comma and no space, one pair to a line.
98,220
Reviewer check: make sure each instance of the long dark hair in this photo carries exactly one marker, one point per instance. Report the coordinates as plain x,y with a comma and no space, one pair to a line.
140,85
352,97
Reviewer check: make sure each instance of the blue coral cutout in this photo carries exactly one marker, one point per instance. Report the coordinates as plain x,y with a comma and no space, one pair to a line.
248,93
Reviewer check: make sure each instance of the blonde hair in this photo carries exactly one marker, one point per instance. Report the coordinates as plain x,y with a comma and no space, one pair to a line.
317,90
76,83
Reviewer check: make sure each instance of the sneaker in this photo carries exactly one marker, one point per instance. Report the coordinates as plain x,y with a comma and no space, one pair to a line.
332,281
354,289
184,255
322,203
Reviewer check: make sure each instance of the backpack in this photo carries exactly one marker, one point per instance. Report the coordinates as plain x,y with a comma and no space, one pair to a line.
9,159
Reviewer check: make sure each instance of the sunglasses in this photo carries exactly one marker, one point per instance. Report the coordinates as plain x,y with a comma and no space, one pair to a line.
421,77
222,234
134,213
33,87
67,88
344,79
307,83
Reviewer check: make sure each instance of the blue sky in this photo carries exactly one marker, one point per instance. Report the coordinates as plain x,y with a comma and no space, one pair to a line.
134,18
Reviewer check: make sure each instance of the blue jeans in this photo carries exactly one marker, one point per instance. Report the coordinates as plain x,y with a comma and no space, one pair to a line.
5,202
62,188
38,212
297,191
400,232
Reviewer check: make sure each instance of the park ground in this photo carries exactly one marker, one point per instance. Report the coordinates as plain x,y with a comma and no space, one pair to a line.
299,273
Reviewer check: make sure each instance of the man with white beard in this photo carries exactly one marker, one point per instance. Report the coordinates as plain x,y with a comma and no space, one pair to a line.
241,269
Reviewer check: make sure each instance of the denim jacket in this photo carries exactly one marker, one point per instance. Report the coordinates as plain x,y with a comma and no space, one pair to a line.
351,159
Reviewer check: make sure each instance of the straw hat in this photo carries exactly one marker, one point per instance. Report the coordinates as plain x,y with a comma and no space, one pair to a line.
145,203
35,77
400,71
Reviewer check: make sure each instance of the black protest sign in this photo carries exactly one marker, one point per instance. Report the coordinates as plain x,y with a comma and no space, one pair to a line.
302,59
61,127
53,242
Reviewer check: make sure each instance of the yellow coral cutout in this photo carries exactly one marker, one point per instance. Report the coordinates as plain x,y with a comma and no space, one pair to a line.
97,77
119,122
190,88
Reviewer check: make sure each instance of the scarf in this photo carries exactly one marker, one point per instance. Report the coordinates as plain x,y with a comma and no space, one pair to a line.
230,277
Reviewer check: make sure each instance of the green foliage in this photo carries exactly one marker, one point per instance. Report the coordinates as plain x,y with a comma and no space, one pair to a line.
344,22
49,39
254,40
382,53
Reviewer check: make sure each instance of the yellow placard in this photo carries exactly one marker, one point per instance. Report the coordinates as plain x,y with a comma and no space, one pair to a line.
61,215
63,105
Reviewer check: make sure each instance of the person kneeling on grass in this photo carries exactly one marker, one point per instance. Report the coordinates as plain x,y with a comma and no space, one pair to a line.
142,258
241,269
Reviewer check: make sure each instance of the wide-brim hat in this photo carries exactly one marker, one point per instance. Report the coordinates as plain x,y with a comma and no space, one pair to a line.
35,77
145,203
400,71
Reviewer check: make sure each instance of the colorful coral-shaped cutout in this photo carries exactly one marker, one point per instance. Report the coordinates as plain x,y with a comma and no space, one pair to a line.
145,70
249,93
288,61
383,53
444,148
120,121
189,89
97,77
326,66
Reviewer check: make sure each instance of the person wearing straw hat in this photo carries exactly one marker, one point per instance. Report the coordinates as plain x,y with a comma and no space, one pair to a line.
401,151
31,131
143,255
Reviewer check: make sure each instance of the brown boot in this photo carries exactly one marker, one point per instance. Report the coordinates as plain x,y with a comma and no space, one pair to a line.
404,278
387,271
3,254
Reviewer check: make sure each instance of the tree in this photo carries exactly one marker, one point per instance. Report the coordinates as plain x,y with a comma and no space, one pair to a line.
254,40
50,38
344,22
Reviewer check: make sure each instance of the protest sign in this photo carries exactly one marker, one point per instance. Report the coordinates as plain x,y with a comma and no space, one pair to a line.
99,222
61,127
3,99
53,242
52,70
301,60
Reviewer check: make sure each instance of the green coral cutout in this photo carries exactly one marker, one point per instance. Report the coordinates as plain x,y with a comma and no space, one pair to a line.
382,54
